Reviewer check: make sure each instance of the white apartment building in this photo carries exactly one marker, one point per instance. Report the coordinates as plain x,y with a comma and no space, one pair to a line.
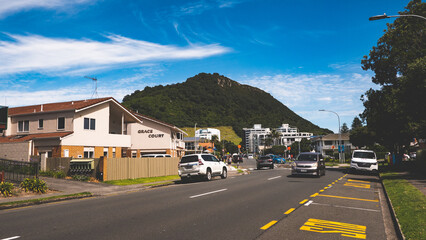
254,138
207,133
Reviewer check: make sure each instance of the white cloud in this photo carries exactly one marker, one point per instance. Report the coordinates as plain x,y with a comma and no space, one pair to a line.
305,94
8,7
42,54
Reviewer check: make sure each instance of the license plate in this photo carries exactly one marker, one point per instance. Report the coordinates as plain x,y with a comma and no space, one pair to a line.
188,166
303,170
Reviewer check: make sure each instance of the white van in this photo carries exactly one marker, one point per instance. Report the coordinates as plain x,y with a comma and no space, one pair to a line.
364,160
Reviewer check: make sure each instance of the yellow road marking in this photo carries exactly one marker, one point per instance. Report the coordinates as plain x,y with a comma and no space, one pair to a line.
345,229
353,180
290,210
360,199
268,225
322,190
358,185
333,183
314,195
10,209
302,202
329,185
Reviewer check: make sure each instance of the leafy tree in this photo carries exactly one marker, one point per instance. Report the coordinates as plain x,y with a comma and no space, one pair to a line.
344,128
305,146
397,111
361,136
356,123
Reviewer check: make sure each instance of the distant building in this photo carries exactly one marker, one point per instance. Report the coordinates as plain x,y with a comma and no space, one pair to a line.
254,138
329,143
197,145
207,133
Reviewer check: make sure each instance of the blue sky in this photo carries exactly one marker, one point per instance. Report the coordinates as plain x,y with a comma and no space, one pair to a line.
306,54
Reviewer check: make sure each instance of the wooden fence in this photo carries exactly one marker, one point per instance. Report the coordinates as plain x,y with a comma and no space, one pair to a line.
131,168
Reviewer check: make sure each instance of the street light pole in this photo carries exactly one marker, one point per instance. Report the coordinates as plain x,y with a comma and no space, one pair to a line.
378,17
195,138
340,134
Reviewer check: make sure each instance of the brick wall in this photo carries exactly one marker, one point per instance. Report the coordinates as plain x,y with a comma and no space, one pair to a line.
15,151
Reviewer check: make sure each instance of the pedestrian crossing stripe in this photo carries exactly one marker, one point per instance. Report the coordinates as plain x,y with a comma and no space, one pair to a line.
345,229
358,185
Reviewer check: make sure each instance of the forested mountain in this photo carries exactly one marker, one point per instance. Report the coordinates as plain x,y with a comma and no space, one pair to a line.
214,100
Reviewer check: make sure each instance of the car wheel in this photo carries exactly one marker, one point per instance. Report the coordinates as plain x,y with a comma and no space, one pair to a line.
184,179
318,173
224,173
272,166
258,167
209,175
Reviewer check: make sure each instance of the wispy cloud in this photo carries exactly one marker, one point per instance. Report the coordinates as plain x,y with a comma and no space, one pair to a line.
8,7
42,54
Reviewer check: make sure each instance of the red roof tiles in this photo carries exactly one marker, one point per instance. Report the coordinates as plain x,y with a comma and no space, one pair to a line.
24,138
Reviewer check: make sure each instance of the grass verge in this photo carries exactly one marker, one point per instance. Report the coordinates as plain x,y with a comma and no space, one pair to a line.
409,205
46,199
142,180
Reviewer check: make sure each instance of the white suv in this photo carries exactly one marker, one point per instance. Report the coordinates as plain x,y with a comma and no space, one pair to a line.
364,160
204,165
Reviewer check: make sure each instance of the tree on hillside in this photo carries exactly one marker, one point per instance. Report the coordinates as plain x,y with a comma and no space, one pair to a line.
396,112
344,128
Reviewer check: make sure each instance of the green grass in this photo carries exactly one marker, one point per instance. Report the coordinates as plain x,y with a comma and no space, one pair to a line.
46,199
142,180
409,205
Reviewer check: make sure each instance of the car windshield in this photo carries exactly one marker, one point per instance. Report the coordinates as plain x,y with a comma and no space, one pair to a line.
364,155
187,159
265,157
307,157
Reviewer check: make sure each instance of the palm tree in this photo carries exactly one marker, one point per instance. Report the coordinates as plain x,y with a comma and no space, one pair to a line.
275,135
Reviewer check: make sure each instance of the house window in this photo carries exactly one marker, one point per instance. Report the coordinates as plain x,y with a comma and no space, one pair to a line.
105,152
61,123
134,154
40,124
113,152
89,123
328,143
89,152
23,126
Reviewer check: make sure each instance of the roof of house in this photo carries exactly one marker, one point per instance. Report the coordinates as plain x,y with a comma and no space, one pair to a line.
332,136
54,107
24,138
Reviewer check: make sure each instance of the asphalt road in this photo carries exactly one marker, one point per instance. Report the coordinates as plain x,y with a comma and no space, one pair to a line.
234,208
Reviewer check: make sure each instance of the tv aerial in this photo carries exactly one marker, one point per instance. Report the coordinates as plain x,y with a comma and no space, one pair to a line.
95,92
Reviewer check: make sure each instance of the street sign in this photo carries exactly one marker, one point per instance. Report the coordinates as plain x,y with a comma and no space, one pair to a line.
341,148
289,148
239,146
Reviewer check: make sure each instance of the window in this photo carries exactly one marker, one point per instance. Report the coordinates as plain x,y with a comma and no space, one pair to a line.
328,143
23,126
89,152
105,152
134,153
61,123
89,123
40,124
113,152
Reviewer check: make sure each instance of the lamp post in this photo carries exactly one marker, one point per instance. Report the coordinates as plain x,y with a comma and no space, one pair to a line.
378,17
340,133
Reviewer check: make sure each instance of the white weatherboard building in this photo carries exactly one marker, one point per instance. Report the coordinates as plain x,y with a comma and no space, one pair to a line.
207,133
254,138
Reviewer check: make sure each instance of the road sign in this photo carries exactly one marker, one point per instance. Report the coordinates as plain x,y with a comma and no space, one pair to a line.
289,148
341,148
239,146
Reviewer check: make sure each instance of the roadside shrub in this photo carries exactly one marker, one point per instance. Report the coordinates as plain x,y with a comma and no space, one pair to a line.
34,185
82,178
55,174
6,188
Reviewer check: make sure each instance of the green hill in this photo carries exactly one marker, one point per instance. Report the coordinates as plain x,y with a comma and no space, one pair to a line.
212,100
226,133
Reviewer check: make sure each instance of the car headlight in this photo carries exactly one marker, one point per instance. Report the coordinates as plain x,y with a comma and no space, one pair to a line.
293,164
315,165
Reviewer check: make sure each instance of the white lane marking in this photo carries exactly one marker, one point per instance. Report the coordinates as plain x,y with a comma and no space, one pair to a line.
308,203
274,177
15,237
364,209
203,194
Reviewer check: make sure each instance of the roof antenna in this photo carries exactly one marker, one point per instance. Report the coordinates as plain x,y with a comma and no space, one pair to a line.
95,92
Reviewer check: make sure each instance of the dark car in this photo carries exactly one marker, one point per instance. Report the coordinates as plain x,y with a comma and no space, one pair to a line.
237,158
308,163
265,161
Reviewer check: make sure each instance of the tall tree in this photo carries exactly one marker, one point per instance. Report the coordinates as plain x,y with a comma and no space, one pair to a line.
397,111
344,128
356,123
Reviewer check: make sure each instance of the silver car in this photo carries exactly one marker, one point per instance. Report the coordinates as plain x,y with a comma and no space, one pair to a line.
308,163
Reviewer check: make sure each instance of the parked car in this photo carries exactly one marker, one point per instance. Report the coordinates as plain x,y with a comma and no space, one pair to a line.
201,165
278,159
250,156
236,158
308,163
364,160
264,161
